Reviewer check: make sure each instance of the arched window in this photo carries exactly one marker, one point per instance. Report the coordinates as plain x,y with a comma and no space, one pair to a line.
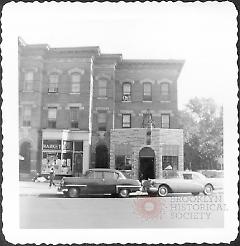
147,91
165,90
102,88
53,83
75,80
126,91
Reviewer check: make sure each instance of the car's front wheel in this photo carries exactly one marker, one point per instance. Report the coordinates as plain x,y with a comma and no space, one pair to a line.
73,192
208,189
163,190
123,193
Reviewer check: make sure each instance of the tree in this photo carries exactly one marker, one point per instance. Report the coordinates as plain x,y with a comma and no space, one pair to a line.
202,121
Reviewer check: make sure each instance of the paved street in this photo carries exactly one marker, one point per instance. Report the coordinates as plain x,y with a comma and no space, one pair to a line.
44,207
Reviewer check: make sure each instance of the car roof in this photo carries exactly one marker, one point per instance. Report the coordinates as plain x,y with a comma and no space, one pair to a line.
102,169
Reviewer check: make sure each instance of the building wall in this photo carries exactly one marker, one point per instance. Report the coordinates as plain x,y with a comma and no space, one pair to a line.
135,139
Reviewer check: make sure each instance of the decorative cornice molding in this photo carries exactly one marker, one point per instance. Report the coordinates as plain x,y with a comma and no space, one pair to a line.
126,80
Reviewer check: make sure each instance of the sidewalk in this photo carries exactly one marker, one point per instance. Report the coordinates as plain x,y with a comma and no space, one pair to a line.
35,189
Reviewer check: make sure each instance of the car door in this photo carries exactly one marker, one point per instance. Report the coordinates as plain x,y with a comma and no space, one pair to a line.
95,183
110,181
189,184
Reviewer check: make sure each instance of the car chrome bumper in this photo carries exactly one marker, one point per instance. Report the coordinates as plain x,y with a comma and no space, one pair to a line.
152,189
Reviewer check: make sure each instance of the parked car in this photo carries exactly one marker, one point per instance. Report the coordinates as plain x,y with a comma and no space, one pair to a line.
215,177
99,181
179,182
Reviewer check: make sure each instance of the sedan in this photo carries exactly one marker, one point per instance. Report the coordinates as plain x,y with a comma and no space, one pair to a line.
99,181
181,182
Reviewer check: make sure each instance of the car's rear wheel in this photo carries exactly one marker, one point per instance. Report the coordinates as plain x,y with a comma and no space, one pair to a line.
73,192
163,190
208,189
195,193
123,193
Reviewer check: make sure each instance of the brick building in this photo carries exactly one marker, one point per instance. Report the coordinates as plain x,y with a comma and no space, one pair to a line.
79,108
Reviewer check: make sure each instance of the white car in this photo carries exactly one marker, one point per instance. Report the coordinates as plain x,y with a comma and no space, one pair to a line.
180,182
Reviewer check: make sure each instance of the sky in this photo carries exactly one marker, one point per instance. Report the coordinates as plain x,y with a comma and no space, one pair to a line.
204,35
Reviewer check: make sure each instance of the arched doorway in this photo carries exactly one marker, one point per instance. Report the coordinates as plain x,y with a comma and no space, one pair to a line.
146,163
25,153
101,156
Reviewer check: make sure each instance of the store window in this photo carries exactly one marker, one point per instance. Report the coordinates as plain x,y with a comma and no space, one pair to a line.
102,88
102,121
74,116
165,120
28,81
75,80
27,116
126,121
126,91
53,83
52,117
147,91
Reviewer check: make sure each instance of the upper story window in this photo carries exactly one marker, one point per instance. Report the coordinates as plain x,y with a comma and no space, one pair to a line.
28,81
165,90
52,117
53,83
27,116
102,88
74,117
126,91
75,80
102,121
147,91
126,121
165,120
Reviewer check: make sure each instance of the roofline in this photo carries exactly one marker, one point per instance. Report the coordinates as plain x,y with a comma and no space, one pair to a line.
155,61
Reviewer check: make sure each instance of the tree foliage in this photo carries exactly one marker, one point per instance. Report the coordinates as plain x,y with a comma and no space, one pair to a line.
202,121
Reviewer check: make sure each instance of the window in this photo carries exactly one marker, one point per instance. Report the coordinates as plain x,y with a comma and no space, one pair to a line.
123,162
165,121
147,92
187,175
52,116
102,88
75,79
126,121
74,117
27,116
102,120
110,175
53,83
28,81
126,93
165,89
170,162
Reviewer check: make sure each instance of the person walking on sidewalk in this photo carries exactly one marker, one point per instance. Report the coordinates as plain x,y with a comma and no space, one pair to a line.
51,177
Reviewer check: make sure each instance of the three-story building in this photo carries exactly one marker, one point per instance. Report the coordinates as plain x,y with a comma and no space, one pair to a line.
81,109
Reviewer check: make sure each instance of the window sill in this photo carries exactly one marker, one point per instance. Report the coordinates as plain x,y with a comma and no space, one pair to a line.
165,101
104,98
147,101
74,93
27,91
53,93
127,101
26,127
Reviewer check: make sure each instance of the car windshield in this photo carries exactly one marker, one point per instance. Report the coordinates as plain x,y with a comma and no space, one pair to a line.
121,175
199,176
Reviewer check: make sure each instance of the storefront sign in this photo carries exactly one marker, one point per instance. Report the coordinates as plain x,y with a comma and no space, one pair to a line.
51,144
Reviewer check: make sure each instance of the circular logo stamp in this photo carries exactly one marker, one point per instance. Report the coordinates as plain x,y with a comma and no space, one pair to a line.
149,207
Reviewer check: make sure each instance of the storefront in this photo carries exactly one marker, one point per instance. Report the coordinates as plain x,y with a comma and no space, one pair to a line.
66,151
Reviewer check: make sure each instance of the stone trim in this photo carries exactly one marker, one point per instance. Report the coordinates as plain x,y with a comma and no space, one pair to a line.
165,80
54,70
76,70
79,105
131,81
147,81
49,105
103,76
28,69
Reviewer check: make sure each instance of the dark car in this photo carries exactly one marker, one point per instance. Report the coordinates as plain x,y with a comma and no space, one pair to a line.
99,181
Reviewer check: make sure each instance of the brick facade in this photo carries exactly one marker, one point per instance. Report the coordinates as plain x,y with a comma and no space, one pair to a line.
82,90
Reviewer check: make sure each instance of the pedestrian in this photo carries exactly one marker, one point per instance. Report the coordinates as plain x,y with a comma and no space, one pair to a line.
51,177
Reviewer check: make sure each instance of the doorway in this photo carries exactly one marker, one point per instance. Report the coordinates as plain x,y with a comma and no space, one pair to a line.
146,163
101,156
25,163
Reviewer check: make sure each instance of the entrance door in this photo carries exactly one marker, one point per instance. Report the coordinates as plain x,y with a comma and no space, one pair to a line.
78,164
146,163
101,156
25,152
